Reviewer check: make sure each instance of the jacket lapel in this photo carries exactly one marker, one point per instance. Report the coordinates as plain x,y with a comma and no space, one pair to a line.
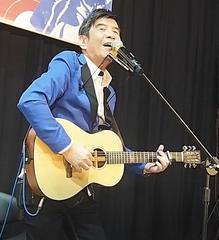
89,88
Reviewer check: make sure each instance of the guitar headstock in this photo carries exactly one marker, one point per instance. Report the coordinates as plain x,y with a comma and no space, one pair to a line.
191,156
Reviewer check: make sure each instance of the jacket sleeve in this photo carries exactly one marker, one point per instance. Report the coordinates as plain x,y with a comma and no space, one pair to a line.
36,102
137,168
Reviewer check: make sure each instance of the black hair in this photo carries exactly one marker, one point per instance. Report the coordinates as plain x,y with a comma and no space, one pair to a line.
93,17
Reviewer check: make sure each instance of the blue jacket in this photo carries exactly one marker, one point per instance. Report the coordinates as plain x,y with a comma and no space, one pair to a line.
65,91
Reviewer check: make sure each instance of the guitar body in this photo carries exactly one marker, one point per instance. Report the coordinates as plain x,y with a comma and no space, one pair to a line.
47,173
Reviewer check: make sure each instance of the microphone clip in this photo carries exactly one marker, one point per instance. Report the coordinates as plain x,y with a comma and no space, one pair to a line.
125,58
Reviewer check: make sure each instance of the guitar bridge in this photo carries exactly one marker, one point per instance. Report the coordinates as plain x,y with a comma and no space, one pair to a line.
68,169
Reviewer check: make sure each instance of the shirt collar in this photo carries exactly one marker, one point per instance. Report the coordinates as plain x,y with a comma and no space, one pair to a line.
107,78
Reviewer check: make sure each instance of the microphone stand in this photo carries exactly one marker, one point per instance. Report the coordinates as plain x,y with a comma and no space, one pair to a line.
129,63
211,161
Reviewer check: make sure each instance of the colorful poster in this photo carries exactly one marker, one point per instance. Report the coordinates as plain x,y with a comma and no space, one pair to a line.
55,18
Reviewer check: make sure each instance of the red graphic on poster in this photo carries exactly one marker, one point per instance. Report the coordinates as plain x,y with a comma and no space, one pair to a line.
10,9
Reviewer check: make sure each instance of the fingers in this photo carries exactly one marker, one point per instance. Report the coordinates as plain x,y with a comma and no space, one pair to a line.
160,148
79,157
83,164
78,167
163,160
160,165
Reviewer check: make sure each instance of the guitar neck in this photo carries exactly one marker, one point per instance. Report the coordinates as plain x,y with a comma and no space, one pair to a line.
139,157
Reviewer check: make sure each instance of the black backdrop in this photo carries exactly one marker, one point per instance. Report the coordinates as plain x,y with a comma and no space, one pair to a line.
176,41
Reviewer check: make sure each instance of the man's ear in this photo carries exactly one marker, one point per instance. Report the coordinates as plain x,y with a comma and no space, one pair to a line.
83,41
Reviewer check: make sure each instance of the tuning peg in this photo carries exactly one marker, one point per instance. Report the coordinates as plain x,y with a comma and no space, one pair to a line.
191,148
184,148
194,165
188,148
185,165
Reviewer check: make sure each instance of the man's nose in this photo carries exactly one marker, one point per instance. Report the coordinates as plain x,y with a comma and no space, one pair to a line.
111,35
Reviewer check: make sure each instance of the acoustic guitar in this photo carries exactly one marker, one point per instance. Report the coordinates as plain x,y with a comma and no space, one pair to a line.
49,174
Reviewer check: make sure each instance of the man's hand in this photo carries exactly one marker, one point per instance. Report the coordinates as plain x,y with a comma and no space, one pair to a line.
160,165
79,157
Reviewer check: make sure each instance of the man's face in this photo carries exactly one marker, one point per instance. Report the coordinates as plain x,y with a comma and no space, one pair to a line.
97,45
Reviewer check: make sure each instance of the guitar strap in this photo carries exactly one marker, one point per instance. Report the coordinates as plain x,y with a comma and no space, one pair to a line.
109,118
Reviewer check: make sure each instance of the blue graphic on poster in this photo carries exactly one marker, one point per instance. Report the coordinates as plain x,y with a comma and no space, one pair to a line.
56,18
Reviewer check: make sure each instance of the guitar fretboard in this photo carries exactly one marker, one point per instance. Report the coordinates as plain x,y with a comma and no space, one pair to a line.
139,157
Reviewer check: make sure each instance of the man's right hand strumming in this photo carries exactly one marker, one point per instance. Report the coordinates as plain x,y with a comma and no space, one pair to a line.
79,157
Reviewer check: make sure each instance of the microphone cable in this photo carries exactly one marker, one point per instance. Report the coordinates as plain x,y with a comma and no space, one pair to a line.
11,197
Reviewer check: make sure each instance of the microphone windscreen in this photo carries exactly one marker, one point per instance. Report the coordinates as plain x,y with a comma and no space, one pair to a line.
116,45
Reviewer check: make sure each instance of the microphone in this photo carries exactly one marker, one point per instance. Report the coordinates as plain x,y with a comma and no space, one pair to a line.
125,58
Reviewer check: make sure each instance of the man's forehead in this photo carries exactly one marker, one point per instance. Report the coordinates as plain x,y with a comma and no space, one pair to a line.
106,21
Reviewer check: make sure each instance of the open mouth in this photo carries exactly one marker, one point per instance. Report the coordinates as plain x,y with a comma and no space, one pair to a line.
108,45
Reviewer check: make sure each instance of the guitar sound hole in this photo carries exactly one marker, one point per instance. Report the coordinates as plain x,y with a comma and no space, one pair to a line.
99,158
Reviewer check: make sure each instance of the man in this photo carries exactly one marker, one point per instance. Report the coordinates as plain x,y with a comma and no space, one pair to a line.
72,89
